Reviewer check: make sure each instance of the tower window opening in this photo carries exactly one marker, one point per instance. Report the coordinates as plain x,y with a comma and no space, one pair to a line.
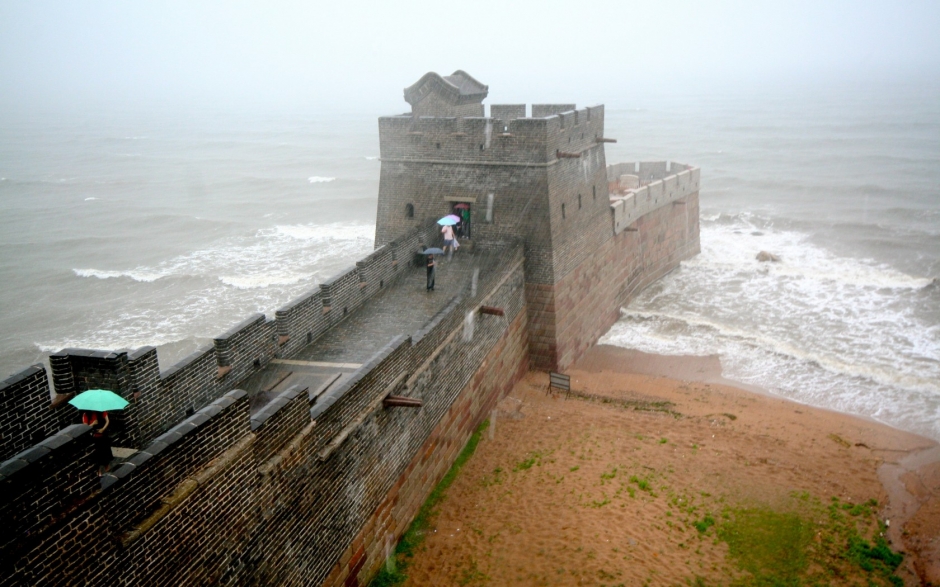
579,201
562,210
594,191
438,145
409,211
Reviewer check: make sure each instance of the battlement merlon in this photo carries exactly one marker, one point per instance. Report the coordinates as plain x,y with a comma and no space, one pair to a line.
490,140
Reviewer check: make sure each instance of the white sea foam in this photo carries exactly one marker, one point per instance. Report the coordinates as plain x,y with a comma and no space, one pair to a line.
209,289
142,275
263,280
371,158
337,230
318,179
90,199
833,331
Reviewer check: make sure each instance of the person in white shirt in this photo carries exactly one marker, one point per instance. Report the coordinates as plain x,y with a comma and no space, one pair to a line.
449,238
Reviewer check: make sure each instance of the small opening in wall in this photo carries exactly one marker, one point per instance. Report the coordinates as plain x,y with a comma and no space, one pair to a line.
505,129
562,210
309,337
481,146
594,191
345,309
257,363
190,411
438,145
409,211
579,201
381,283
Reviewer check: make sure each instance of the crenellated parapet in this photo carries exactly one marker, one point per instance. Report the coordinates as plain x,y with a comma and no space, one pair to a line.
641,188
512,140
318,459
159,399
217,487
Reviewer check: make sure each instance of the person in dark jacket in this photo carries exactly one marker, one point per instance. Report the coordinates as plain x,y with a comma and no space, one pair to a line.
99,423
432,264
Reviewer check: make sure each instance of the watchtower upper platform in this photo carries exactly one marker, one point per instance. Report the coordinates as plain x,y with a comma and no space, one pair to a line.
457,94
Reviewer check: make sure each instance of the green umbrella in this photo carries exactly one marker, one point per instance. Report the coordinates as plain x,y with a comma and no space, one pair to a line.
98,400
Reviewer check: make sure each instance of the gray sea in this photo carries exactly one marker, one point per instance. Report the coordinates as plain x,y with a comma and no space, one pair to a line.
156,227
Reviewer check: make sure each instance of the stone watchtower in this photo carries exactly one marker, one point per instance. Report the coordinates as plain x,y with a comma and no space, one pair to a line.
541,178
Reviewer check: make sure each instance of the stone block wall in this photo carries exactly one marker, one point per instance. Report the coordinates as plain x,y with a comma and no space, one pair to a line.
26,416
599,270
305,319
221,497
525,163
505,364
545,110
585,303
161,399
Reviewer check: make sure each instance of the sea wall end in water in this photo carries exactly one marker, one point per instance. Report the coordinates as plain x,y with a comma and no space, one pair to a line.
292,450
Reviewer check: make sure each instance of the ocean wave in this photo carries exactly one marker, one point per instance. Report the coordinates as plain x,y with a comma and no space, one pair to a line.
137,275
839,332
705,343
730,243
262,280
318,179
90,199
337,230
245,262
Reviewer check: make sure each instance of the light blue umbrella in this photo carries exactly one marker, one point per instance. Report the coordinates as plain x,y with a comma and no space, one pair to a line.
448,220
98,400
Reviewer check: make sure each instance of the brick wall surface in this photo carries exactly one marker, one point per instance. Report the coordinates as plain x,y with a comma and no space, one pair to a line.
501,369
26,416
303,493
273,499
570,316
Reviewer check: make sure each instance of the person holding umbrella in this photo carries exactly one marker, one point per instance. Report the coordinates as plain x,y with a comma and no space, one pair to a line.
450,241
95,405
102,453
449,238
431,264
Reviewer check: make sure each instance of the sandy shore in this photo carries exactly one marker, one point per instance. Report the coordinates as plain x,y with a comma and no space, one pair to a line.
644,478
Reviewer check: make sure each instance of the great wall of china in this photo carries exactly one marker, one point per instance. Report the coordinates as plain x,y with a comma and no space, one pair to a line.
275,455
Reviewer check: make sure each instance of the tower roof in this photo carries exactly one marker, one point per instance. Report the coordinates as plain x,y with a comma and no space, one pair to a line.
458,88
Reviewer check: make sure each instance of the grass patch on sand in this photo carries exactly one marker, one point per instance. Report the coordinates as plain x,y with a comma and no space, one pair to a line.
414,536
807,543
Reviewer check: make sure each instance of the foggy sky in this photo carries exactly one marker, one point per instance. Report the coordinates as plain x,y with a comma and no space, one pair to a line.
276,54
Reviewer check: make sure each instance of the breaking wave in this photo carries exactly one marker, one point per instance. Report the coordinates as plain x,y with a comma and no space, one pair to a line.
843,333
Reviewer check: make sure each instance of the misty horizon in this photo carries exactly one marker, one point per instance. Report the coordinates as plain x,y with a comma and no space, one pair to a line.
296,57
